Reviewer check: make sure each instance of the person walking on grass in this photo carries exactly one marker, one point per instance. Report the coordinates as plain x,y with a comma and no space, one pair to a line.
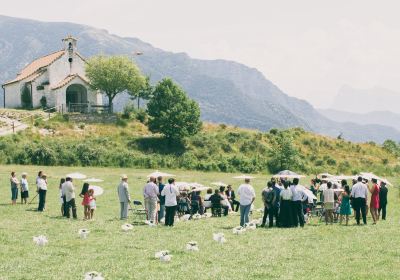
171,193
359,192
383,200
124,197
329,203
42,191
62,198
150,193
298,197
247,197
374,205
70,198
14,188
24,188
345,208
86,200
92,203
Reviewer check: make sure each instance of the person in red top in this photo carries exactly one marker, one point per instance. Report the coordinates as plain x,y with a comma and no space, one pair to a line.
86,200
374,205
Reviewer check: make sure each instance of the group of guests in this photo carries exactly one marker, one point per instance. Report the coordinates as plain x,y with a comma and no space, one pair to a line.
67,194
23,186
165,201
288,204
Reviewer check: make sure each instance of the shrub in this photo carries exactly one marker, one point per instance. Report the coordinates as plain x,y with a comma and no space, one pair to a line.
121,122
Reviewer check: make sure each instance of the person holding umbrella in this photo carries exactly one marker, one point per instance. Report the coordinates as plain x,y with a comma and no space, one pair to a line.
247,197
124,197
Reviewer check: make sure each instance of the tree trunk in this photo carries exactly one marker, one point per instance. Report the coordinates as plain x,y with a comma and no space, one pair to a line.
110,104
138,102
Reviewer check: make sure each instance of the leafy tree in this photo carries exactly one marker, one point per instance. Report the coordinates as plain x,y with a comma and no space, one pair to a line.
113,75
26,97
284,154
144,92
392,147
172,113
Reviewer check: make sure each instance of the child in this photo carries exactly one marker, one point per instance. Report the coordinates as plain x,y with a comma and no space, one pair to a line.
24,188
86,200
92,203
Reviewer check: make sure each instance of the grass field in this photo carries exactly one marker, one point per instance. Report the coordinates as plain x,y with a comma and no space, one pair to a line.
314,252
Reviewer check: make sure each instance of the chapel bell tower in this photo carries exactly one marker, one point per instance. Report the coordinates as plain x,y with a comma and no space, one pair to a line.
70,48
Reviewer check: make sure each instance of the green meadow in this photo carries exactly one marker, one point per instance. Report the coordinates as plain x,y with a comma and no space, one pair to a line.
314,252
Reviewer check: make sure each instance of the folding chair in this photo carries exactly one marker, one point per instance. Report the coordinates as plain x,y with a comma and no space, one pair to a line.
139,214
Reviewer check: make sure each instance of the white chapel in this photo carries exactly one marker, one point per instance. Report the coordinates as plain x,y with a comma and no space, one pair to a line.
58,78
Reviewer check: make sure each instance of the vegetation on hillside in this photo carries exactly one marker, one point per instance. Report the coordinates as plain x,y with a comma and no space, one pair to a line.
214,148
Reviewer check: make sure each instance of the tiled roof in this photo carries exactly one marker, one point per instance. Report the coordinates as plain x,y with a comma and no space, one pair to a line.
68,79
36,65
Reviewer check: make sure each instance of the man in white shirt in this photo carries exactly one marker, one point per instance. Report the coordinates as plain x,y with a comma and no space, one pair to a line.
359,193
297,203
42,190
247,197
170,192
68,191
150,193
124,197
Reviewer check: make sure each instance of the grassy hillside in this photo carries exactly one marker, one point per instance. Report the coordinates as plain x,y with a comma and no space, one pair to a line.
215,148
314,252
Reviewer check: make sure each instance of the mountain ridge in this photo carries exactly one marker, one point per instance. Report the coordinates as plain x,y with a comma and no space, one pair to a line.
227,91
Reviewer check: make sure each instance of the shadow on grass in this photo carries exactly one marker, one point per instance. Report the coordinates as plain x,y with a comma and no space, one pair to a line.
157,145
34,209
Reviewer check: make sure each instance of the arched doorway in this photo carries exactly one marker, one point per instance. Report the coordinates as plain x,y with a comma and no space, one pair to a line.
76,98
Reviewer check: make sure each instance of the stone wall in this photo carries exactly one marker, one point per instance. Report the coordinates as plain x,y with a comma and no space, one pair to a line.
92,118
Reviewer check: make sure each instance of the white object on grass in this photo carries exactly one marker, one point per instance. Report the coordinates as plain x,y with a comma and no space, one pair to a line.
196,216
83,233
127,227
192,246
239,230
219,237
40,240
163,256
93,275
185,217
250,226
207,215
150,223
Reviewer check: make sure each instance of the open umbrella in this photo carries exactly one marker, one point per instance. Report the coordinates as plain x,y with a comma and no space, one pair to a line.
97,190
287,174
343,177
76,175
325,175
369,176
219,184
309,193
157,174
183,186
244,176
386,182
93,180
200,189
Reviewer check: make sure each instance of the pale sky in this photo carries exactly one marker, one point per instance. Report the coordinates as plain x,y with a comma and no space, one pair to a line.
309,48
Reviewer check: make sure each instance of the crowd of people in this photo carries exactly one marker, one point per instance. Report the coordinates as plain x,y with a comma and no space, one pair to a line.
286,203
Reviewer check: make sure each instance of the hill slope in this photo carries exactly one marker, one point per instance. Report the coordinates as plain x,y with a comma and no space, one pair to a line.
215,148
228,92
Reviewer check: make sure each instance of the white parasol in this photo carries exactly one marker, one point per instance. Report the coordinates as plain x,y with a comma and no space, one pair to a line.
369,176
244,176
386,182
157,174
287,174
93,180
219,184
183,186
309,193
76,175
97,190
325,175
199,189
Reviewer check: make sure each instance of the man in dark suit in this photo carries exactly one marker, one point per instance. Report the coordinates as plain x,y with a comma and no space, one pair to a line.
231,198
382,200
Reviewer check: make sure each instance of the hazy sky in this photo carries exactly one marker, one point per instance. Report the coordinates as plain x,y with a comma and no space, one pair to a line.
309,48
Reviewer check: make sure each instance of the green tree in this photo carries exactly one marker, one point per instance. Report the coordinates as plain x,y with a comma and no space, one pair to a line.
113,75
172,113
26,97
283,154
145,92
392,147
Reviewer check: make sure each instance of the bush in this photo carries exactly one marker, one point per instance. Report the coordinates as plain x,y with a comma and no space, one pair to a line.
121,122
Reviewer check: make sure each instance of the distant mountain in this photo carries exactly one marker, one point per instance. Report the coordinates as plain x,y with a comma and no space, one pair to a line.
366,100
384,118
228,92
